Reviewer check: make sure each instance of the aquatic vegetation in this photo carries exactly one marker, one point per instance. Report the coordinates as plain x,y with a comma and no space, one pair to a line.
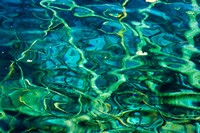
76,66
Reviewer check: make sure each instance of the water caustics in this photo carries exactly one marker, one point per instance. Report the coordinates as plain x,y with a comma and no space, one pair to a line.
100,66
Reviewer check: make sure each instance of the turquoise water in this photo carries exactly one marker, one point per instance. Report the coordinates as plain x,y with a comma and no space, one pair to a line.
99,66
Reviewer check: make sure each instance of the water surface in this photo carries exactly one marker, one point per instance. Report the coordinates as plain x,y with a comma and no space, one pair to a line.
99,66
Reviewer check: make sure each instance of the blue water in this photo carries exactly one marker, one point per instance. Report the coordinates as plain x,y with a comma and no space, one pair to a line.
99,66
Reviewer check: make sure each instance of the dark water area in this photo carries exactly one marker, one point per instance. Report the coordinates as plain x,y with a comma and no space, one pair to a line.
99,66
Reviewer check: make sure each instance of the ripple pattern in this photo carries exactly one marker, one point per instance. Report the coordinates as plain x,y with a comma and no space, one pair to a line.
101,66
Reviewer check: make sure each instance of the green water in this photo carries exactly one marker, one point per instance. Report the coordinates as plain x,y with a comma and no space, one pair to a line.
98,66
